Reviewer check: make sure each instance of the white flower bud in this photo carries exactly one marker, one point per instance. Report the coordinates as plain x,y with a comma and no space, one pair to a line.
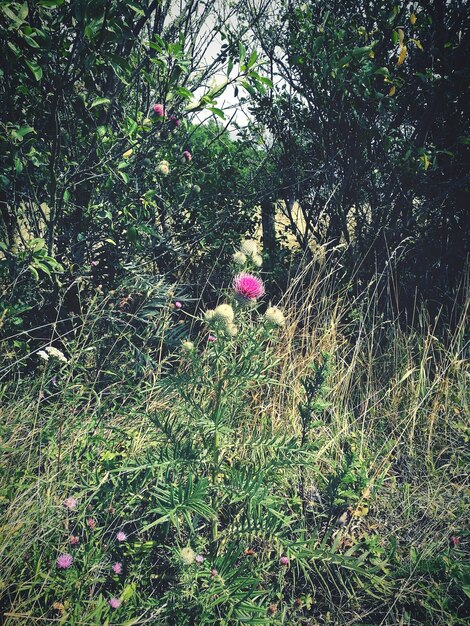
275,316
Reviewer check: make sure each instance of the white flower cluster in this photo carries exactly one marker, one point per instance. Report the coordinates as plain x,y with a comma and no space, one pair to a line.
248,252
274,316
222,316
50,351
188,556
163,168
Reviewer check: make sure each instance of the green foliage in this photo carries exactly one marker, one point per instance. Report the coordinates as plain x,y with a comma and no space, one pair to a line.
244,464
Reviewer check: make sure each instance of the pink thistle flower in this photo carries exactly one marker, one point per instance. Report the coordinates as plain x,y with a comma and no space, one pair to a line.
186,157
178,305
121,536
248,287
117,568
284,560
115,603
64,561
159,110
73,540
211,338
91,523
199,558
70,503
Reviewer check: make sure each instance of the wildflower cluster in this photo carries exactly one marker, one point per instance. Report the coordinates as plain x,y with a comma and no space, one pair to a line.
222,318
172,123
66,560
248,254
55,353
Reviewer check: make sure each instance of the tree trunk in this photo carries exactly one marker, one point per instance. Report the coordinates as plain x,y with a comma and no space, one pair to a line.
270,248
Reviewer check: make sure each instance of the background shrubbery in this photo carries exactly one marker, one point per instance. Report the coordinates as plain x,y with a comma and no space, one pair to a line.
305,465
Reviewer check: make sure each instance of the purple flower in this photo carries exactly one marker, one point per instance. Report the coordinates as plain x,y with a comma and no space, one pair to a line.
199,558
114,603
248,287
284,560
454,541
178,305
121,536
214,572
174,121
70,503
73,540
91,523
64,561
211,338
159,110
117,568
186,157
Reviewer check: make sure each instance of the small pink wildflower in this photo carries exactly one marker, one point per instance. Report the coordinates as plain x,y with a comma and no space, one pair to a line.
115,603
64,561
94,263
248,287
284,560
454,541
186,157
159,110
70,503
117,568
121,536
91,523
174,121
178,305
73,540
199,558
214,572
211,338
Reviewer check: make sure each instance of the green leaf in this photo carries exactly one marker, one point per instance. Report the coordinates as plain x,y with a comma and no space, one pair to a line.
252,59
99,101
34,272
382,71
13,48
135,7
31,42
23,12
35,69
24,130
185,93
242,52
128,592
217,112
50,4
362,51
266,81
18,165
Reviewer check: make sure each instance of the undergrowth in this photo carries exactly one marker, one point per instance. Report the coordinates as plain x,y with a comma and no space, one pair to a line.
307,467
